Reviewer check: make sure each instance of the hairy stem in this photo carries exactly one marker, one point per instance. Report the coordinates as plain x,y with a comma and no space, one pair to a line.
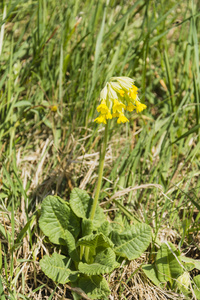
100,174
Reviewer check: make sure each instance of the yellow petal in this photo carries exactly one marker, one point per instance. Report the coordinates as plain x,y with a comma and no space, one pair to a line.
53,108
130,107
101,119
139,106
108,115
121,92
118,106
134,88
115,115
133,92
103,108
122,119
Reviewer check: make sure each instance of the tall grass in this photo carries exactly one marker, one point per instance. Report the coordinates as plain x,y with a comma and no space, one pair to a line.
55,57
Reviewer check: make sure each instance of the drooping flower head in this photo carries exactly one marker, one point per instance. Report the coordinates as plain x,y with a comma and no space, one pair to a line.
118,95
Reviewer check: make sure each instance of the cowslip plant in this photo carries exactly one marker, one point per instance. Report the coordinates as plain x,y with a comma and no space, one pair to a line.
90,246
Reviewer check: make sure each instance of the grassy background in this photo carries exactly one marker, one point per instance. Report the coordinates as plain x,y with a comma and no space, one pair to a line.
60,54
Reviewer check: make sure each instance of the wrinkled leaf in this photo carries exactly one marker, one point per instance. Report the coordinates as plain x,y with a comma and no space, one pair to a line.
190,263
120,223
57,218
104,262
105,228
132,242
81,204
71,246
183,283
96,242
87,227
96,287
56,267
168,268
197,286
150,272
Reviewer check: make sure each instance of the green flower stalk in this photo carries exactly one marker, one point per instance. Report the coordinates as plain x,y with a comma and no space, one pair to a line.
100,174
118,95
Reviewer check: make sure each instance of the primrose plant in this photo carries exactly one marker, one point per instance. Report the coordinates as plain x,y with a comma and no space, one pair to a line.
88,245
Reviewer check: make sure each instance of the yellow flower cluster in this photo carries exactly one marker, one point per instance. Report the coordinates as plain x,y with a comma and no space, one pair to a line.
118,95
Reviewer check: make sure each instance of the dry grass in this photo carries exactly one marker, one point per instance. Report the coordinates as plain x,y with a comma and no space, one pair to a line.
129,282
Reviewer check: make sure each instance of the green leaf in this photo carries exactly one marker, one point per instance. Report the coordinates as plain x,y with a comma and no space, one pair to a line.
120,223
47,122
57,218
71,245
150,272
96,242
104,262
81,204
87,227
132,242
166,262
22,103
77,296
183,283
190,263
2,295
56,267
25,229
197,286
197,264
105,228
96,287
192,130
125,211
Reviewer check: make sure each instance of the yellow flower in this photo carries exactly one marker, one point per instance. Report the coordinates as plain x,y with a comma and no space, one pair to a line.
115,115
130,107
104,113
109,115
118,95
101,119
122,119
103,108
54,108
133,92
139,106
118,106
134,88
121,92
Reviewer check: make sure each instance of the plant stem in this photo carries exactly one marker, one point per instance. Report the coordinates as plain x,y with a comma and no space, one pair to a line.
100,174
